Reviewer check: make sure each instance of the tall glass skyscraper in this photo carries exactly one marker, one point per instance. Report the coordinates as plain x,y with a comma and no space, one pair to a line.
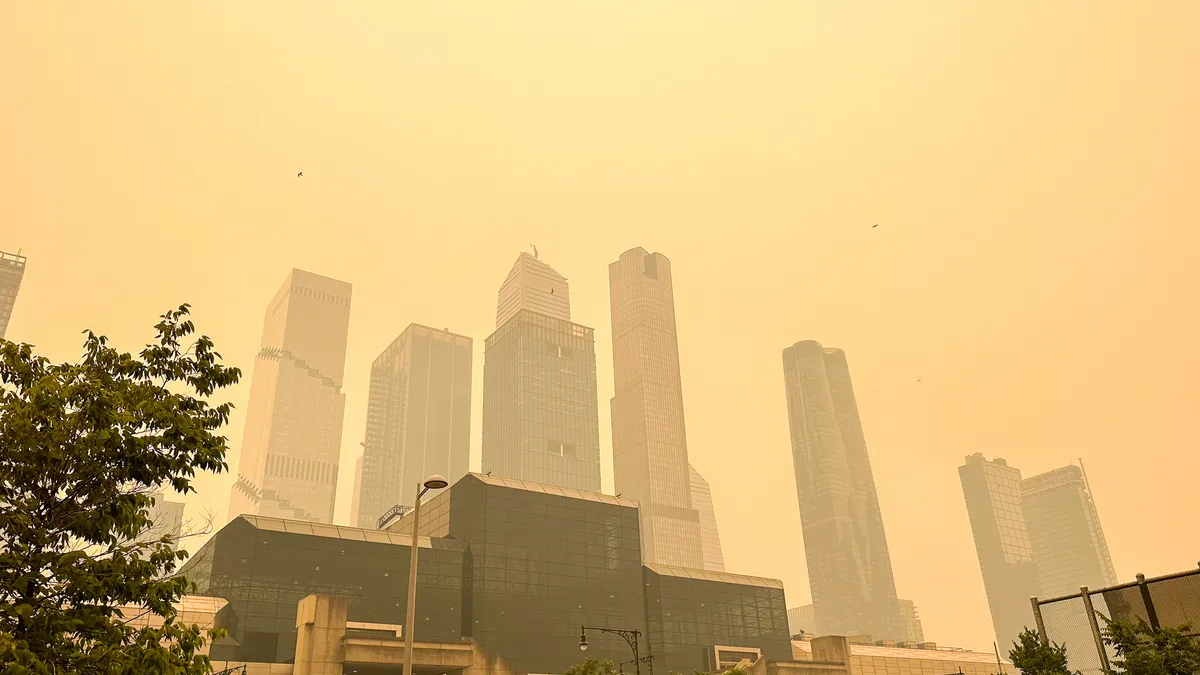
293,435
710,537
12,270
849,567
1064,531
650,456
418,418
993,494
540,408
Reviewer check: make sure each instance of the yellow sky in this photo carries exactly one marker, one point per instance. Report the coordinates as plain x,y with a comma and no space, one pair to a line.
1032,166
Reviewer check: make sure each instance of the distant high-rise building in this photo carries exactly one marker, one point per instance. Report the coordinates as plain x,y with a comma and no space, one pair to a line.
166,521
1068,544
912,622
293,435
355,497
650,457
710,538
418,418
12,270
849,567
541,420
802,620
992,490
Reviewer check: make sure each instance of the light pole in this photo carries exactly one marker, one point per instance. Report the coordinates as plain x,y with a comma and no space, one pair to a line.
631,636
434,482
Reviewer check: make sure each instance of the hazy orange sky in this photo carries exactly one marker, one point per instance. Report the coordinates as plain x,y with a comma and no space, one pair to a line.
1033,167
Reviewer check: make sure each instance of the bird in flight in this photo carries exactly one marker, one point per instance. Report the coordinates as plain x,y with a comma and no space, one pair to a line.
551,291
300,175
875,226
918,379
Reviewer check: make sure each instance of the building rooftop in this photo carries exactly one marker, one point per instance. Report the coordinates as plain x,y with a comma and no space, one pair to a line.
552,490
345,532
723,577
941,654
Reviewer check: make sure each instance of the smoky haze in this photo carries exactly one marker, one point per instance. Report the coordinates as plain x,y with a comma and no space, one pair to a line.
1031,168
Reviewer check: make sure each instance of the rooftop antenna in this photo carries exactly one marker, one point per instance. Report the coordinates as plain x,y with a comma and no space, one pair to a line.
535,253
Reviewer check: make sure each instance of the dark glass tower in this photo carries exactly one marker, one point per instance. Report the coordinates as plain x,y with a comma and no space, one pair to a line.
849,567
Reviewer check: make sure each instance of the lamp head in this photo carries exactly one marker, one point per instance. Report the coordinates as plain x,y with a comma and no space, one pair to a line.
582,640
436,482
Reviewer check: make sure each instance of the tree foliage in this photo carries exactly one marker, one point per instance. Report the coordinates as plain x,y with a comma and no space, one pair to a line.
82,448
593,666
1030,656
1142,650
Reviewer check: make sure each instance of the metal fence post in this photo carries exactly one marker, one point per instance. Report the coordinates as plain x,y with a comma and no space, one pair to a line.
1096,635
1145,589
1037,618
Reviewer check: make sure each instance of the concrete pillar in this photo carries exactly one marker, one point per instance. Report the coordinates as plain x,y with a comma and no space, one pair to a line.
321,629
832,649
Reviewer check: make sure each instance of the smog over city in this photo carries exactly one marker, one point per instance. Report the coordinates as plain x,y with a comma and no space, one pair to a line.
766,338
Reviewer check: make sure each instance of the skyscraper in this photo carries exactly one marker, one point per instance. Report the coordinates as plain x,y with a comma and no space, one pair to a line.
540,409
356,496
418,418
992,490
710,538
849,567
650,457
1064,530
166,519
12,270
293,434
913,632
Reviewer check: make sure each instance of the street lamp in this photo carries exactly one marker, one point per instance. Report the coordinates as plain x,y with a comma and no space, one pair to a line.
434,482
631,636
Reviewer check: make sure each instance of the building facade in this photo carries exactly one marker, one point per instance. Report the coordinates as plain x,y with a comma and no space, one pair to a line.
992,490
291,445
12,271
849,566
540,408
650,455
418,418
1064,531
710,537
516,567
913,632
167,521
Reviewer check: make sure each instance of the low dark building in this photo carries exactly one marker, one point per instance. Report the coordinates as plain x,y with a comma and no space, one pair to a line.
265,566
518,567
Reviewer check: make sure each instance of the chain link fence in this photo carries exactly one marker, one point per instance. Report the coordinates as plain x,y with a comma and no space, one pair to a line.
1169,601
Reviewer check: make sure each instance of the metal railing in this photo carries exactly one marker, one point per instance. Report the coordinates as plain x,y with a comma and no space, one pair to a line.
397,511
1170,601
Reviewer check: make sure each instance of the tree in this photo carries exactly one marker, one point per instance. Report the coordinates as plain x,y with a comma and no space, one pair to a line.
593,666
1033,657
1142,650
82,448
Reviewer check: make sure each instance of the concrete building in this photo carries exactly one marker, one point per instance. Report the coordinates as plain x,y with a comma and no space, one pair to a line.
650,455
291,446
710,537
540,408
1064,531
513,568
12,271
849,566
802,620
917,659
418,418
992,490
913,632
356,495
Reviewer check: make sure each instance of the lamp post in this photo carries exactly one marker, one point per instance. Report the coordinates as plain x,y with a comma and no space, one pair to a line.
630,636
434,482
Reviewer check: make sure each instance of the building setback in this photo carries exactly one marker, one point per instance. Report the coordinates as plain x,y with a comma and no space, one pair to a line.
540,407
849,566
293,434
418,418
12,271
650,455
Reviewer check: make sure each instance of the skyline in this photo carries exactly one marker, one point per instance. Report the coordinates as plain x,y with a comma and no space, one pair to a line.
1029,170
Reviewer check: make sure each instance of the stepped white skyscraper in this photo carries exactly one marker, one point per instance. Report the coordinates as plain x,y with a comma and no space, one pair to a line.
710,538
12,270
650,456
540,407
293,434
